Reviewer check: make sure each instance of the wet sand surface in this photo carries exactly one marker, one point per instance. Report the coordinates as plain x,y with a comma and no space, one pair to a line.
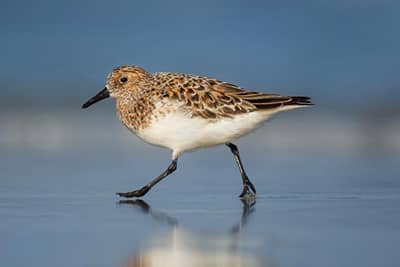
60,209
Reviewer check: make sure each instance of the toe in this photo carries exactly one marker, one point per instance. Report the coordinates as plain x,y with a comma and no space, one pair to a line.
122,194
245,191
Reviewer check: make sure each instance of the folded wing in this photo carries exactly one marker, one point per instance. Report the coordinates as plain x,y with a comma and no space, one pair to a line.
212,99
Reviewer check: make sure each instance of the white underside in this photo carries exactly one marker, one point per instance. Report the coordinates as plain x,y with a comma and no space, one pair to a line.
180,132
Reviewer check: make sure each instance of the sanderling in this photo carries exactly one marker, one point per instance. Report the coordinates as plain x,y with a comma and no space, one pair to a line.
185,112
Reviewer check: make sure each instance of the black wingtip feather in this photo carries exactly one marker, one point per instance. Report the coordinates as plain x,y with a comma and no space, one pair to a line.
301,101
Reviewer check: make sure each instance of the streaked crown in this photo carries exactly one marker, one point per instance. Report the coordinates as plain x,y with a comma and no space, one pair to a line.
126,78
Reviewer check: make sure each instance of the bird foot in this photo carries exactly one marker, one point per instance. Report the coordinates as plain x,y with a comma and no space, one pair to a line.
249,191
137,193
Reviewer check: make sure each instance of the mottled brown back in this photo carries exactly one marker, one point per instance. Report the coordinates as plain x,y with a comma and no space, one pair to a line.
211,98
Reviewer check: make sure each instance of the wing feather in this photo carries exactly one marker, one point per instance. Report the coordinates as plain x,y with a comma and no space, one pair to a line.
211,98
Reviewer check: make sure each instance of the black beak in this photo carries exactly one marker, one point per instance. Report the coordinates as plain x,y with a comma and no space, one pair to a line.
100,96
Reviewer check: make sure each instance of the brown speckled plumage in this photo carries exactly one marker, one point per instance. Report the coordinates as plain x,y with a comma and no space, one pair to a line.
205,97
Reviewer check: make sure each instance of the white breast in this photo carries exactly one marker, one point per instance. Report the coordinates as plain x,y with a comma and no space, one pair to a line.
180,132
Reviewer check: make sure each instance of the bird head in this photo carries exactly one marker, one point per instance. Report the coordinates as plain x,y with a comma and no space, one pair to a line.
123,81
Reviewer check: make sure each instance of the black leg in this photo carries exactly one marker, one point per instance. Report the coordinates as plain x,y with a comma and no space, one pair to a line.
246,181
142,191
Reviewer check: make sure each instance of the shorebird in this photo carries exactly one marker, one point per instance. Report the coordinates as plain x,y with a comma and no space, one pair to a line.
185,112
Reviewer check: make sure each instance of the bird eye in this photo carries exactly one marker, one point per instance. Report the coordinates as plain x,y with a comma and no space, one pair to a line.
123,79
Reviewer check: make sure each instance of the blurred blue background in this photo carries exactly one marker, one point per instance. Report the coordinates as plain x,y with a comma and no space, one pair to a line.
344,53
328,176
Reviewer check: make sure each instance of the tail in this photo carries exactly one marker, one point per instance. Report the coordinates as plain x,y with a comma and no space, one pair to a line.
279,102
299,101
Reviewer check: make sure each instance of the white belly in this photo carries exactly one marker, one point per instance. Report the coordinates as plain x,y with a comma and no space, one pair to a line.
180,132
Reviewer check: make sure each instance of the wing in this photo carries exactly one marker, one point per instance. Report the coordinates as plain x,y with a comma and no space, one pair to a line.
211,98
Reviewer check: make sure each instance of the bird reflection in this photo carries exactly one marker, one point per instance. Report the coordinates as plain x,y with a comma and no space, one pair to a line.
185,248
